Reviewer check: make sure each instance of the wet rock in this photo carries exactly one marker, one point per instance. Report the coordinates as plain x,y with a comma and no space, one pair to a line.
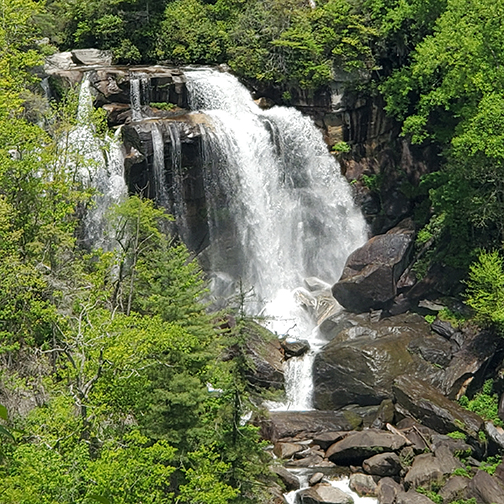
371,272
314,284
485,489
309,452
501,407
424,471
290,481
324,494
92,57
363,484
383,464
469,362
289,424
264,103
387,491
420,400
265,352
359,446
287,450
362,369
434,349
295,348
454,488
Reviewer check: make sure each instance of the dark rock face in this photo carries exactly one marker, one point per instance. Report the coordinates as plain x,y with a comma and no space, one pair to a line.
422,401
359,446
471,361
369,280
362,368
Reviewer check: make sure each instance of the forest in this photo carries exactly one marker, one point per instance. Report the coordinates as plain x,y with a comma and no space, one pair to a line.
118,386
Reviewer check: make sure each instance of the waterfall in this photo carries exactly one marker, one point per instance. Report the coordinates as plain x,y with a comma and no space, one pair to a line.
99,163
280,210
139,94
158,164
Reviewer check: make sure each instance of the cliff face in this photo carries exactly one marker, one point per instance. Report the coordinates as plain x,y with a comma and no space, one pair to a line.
383,168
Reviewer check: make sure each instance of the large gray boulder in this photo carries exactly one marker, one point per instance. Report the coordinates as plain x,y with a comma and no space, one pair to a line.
302,424
420,400
360,364
358,446
369,279
324,494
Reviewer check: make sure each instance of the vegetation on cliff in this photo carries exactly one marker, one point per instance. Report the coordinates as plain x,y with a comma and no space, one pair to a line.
107,356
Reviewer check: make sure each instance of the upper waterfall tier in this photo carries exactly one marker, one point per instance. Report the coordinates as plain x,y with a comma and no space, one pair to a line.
279,209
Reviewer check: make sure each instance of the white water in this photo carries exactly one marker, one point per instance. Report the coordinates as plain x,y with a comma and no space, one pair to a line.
99,164
340,483
288,210
139,94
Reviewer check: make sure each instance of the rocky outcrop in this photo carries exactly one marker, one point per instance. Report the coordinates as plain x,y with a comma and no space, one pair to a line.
360,364
369,279
422,401
356,447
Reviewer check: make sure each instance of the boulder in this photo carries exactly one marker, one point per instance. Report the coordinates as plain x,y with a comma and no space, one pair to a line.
369,279
289,480
362,369
485,489
454,488
316,478
295,348
424,471
495,433
58,62
302,424
387,490
470,361
92,57
433,348
412,497
383,464
326,439
359,446
422,401
324,493
287,450
447,461
363,484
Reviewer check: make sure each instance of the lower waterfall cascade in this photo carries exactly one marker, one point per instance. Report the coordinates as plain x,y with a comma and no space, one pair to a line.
279,211
286,204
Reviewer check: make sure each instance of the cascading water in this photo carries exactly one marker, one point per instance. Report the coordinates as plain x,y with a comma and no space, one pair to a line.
158,164
286,207
104,173
139,94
